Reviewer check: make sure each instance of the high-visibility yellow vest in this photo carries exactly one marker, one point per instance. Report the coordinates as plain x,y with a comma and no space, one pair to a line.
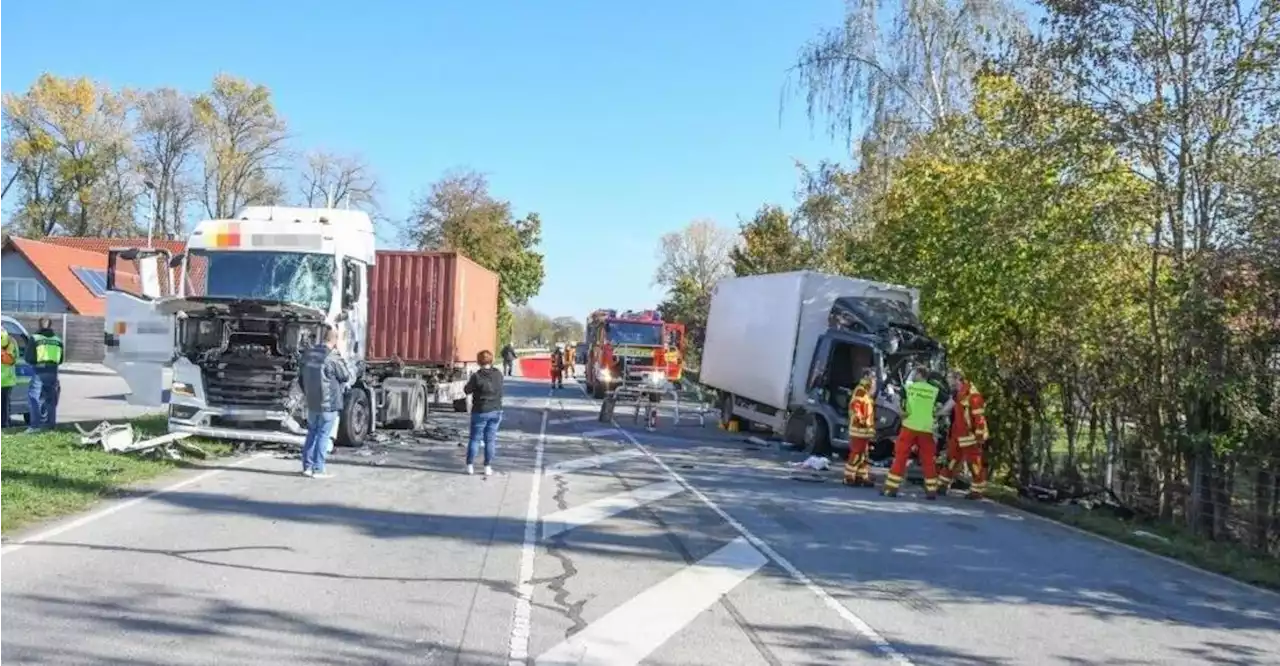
48,349
922,396
9,376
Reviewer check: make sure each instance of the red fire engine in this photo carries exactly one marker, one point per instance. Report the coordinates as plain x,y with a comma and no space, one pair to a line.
632,349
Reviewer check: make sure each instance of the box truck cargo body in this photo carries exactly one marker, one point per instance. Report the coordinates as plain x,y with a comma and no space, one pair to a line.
785,349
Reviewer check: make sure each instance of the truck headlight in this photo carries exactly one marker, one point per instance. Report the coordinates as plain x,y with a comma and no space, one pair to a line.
182,388
604,374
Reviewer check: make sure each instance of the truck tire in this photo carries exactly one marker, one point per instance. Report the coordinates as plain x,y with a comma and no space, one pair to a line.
793,431
418,408
599,391
817,436
353,426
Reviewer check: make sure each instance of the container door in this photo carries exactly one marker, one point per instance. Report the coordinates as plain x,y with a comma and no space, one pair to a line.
139,340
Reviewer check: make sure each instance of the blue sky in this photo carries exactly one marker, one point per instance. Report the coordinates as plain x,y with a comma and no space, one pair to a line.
617,122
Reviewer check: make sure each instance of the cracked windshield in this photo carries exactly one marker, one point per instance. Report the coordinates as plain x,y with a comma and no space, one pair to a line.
971,308
286,277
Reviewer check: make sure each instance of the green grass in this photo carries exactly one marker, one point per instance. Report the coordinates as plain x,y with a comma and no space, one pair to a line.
48,475
1225,558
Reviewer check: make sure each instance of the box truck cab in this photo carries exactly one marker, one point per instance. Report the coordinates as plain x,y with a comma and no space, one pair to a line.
232,316
785,351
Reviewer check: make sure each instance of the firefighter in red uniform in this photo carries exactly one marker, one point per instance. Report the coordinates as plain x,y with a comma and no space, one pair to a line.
862,430
968,434
924,401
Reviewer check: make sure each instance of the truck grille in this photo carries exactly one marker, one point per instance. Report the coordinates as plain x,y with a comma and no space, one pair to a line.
256,383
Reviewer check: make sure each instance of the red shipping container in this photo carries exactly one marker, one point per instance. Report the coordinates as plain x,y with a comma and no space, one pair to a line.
431,308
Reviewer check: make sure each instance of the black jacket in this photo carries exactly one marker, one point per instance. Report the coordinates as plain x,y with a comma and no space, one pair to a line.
323,378
485,389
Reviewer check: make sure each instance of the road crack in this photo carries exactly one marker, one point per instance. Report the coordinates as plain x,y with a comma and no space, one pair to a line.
558,585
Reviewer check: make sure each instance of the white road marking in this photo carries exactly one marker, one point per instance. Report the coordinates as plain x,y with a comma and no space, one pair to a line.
63,528
859,625
572,419
603,432
632,631
522,616
563,521
593,461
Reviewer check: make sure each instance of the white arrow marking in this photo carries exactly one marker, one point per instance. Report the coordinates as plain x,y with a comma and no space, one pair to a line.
603,432
593,461
632,631
563,521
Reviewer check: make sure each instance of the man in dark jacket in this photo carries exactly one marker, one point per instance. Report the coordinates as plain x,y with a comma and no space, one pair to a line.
45,355
508,359
485,389
323,378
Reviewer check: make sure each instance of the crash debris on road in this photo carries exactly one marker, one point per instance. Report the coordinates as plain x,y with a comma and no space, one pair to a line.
120,438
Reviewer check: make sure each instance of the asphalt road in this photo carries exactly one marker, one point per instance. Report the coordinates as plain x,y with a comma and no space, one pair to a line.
678,547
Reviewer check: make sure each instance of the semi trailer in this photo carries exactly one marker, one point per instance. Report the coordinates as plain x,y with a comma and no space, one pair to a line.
217,332
785,350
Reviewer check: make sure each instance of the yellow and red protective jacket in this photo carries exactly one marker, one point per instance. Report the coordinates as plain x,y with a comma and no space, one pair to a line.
968,419
862,413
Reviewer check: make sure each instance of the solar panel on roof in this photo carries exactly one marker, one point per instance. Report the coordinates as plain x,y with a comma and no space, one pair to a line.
93,280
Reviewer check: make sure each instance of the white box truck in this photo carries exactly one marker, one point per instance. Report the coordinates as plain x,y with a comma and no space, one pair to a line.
785,350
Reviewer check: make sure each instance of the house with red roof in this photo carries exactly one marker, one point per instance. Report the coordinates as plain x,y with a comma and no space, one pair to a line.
62,275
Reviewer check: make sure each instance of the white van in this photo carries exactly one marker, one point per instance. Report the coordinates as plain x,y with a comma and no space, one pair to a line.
18,398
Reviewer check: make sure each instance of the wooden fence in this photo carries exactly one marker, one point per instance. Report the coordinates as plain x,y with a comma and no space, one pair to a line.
81,334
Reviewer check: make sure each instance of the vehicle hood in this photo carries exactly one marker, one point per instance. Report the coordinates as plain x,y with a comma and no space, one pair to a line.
194,304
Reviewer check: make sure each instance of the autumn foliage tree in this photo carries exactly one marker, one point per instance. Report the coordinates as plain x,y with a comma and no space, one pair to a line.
83,159
459,213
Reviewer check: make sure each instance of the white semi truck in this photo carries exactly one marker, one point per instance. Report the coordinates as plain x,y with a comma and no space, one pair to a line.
217,332
785,350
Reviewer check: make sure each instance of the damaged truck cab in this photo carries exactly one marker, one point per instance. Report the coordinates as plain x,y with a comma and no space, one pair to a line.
785,351
230,318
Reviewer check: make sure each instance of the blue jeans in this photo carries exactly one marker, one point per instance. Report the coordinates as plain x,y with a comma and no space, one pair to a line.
313,449
42,398
484,425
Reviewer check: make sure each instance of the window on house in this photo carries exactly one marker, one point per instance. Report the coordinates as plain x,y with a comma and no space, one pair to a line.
22,295
94,280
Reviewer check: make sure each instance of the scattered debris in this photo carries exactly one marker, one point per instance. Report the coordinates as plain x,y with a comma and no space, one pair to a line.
1148,535
816,463
120,439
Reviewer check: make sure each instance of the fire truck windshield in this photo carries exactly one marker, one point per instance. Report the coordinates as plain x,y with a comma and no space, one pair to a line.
634,333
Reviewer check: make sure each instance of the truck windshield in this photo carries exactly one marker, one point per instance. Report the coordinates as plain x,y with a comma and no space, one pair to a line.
631,333
290,277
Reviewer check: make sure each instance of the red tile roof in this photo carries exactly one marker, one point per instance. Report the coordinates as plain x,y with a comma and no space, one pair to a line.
55,262
103,245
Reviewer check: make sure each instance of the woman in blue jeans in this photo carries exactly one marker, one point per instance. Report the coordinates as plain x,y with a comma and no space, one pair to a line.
485,389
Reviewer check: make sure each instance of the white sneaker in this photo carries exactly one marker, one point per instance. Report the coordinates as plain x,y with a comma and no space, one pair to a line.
488,471
471,469
322,475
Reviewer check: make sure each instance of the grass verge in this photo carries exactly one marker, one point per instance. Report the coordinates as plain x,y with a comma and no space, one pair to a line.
1224,558
50,474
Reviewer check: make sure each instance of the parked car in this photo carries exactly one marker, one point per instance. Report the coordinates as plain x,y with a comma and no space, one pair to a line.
18,398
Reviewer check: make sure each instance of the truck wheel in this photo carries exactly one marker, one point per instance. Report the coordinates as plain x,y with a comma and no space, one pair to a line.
418,408
353,427
460,405
817,437
599,391
793,432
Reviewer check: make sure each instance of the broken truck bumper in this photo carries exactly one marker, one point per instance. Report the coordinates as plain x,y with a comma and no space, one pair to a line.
249,425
